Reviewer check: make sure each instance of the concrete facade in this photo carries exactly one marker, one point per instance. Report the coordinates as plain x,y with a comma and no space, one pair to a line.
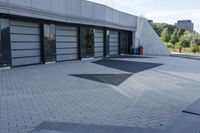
27,19
71,11
147,37
186,25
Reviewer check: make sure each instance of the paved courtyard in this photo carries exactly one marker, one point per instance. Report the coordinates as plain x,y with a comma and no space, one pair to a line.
147,99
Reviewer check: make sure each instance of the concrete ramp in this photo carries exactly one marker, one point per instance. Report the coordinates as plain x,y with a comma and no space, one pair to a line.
148,38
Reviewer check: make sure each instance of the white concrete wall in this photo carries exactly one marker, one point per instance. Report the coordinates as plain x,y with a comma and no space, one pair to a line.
85,12
75,11
148,38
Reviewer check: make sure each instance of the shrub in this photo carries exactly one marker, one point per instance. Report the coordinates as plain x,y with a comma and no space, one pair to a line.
169,45
195,48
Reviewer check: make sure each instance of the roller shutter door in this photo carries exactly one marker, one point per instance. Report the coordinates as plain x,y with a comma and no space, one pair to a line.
66,43
99,43
113,43
25,43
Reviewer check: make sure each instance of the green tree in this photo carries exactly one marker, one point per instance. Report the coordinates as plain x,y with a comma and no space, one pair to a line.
165,36
184,41
195,48
181,32
195,42
196,39
159,27
171,28
174,37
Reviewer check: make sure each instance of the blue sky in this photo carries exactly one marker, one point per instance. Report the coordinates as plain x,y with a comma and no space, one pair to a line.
168,11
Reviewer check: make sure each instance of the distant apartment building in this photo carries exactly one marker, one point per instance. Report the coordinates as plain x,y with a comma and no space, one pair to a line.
186,25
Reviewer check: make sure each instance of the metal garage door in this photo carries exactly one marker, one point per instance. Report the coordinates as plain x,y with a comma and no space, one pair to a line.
66,43
113,43
99,43
25,43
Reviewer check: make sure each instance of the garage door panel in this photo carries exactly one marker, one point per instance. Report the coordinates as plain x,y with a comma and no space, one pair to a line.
66,51
66,33
25,43
113,40
113,43
24,38
23,24
66,28
66,43
99,54
25,61
66,57
113,32
25,53
97,40
114,36
113,52
99,34
66,39
100,49
24,30
99,43
98,31
114,48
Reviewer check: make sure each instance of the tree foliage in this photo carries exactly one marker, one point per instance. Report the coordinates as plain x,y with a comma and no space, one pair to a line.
165,35
195,39
174,37
177,38
184,40
159,27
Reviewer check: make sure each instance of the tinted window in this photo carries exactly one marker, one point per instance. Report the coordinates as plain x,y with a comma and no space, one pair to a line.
87,42
4,42
49,43
0,41
124,43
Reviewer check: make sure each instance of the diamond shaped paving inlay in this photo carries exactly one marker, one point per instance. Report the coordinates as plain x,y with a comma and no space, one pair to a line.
113,79
127,66
117,79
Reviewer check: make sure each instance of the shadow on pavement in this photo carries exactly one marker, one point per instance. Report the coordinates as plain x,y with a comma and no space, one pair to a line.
127,66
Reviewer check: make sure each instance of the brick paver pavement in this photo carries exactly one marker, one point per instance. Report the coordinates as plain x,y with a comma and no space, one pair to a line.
152,98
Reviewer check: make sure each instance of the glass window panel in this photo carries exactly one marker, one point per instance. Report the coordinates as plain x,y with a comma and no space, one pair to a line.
4,42
49,43
87,42
124,43
0,40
